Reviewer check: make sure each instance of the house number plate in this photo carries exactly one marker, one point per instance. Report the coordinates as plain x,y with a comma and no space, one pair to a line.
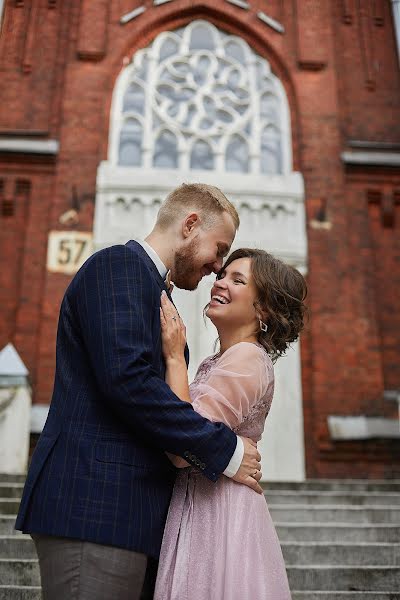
68,250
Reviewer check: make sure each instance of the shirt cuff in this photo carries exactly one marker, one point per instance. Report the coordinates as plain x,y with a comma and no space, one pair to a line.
236,460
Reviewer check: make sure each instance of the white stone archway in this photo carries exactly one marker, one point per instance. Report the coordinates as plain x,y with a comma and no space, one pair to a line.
199,104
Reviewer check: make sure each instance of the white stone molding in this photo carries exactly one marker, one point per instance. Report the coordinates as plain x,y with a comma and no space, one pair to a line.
239,3
132,15
362,427
26,145
396,19
11,366
390,159
275,25
15,406
39,415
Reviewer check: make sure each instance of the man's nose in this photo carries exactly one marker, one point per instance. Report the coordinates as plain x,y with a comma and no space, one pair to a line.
217,265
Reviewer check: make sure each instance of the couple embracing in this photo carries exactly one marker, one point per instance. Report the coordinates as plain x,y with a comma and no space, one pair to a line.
142,486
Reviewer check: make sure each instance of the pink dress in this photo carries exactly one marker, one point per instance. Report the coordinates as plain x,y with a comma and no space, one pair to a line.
219,540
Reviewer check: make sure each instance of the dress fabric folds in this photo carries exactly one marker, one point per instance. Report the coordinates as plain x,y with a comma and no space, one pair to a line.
219,541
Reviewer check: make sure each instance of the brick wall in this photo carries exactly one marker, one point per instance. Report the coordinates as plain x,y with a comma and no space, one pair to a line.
338,64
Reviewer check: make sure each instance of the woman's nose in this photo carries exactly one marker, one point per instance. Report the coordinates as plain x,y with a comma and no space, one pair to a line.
219,283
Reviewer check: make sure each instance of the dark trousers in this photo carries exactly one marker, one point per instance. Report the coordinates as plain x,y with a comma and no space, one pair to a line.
78,570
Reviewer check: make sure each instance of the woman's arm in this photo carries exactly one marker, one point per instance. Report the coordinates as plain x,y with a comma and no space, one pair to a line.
177,378
173,333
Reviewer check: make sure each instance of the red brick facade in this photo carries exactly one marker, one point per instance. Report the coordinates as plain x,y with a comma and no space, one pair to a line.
340,69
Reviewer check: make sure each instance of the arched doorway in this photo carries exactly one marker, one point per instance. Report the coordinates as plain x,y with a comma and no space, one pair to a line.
199,104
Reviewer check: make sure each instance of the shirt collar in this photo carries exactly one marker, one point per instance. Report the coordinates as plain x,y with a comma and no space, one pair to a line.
161,268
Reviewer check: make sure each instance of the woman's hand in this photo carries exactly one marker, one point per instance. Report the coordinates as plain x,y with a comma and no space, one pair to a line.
173,331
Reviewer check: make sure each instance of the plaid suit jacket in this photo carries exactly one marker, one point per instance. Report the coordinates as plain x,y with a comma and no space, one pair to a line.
99,471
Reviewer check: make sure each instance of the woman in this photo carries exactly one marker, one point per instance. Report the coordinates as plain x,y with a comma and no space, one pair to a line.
219,541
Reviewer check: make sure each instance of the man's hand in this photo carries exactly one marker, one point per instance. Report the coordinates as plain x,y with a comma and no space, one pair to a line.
249,472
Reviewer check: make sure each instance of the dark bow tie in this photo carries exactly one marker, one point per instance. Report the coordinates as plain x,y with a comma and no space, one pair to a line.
167,281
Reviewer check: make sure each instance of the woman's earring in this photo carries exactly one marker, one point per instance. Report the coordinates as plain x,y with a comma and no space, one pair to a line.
263,326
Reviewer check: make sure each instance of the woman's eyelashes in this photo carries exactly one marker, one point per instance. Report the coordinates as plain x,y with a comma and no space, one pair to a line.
235,280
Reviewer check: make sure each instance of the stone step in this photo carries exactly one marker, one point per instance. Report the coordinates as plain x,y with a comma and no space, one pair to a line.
14,490
295,553
11,490
340,578
335,514
337,532
321,595
9,506
19,571
326,553
340,485
17,546
25,572
6,477
335,485
34,593
332,498
20,592
7,523
297,532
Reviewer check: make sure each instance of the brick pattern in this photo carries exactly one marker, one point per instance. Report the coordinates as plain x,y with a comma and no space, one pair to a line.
58,65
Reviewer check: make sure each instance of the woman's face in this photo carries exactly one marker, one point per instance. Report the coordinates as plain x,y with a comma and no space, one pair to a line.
233,296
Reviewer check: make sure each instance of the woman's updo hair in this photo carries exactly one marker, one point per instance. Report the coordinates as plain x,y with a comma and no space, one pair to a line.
281,293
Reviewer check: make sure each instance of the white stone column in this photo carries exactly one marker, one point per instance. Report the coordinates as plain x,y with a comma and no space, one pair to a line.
396,20
15,412
282,444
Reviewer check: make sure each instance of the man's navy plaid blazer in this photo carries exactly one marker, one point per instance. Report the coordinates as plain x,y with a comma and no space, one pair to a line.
99,471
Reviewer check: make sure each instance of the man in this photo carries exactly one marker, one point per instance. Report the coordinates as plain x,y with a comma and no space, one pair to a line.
98,488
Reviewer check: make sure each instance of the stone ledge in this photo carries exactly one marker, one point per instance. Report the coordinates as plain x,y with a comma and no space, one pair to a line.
362,428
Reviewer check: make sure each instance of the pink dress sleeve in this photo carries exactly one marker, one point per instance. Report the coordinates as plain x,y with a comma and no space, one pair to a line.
237,381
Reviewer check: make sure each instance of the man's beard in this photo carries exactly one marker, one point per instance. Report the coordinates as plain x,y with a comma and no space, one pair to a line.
185,277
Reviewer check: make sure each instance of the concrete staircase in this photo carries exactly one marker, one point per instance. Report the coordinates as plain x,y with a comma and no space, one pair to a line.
340,540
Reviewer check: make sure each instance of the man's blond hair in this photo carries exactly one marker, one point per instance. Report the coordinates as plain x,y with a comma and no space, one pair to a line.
205,199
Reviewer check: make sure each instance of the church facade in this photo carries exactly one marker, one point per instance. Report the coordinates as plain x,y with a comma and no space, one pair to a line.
293,110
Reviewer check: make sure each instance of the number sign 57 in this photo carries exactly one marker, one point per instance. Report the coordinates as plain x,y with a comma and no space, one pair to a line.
68,250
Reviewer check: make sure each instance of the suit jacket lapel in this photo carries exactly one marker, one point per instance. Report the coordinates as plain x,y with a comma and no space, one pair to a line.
157,277
149,262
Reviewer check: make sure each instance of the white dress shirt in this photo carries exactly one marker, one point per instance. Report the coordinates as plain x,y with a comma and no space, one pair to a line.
237,456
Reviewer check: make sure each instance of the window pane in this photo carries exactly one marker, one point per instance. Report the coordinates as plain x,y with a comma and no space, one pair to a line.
168,48
269,108
237,155
166,151
202,156
134,99
271,154
201,39
130,144
235,50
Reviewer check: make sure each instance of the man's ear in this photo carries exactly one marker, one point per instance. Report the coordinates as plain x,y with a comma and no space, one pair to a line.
190,224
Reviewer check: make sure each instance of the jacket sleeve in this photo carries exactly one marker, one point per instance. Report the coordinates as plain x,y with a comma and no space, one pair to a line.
117,309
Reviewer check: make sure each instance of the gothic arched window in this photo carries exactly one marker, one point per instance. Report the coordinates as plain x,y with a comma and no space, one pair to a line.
198,98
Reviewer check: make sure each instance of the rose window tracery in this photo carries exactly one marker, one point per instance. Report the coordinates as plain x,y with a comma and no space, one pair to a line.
199,98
